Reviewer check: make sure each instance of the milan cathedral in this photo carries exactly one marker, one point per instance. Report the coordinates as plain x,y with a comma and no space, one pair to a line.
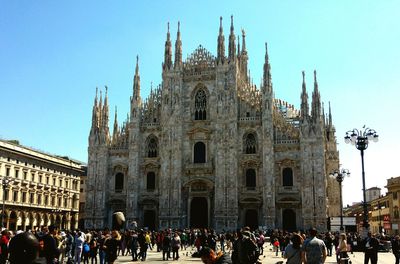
208,148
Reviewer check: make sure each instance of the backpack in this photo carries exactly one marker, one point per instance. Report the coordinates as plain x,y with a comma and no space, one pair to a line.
86,248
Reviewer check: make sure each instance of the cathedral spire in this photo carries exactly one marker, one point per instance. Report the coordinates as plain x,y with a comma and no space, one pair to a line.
330,116
168,52
115,131
243,56
304,99
232,45
95,113
105,112
316,100
136,81
267,72
238,49
221,43
178,49
100,112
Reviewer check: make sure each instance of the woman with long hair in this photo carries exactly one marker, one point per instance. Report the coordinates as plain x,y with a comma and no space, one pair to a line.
293,250
341,251
111,246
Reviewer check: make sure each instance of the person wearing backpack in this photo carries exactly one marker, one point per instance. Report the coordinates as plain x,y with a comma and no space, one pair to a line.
85,252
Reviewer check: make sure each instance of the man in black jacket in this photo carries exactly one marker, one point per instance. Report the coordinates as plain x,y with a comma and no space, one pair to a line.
47,245
371,246
396,248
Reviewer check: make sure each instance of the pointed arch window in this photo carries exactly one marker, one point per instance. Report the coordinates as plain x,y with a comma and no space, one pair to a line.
152,147
200,105
287,177
199,152
250,179
250,144
119,182
151,181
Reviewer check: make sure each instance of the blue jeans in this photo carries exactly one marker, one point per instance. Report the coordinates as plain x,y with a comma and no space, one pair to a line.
102,256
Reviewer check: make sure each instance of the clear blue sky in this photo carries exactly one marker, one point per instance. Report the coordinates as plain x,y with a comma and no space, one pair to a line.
53,54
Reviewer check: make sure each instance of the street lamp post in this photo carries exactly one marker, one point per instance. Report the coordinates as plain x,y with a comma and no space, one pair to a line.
5,182
339,175
361,138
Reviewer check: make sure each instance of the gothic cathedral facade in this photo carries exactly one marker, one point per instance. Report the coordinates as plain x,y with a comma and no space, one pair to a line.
208,148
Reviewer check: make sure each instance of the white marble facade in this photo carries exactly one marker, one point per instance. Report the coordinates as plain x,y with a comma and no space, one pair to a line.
208,147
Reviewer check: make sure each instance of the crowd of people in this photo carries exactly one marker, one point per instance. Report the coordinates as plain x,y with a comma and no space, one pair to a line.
50,245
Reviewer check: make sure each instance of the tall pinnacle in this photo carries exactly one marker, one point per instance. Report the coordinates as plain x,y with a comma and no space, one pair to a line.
115,131
136,81
304,99
168,52
178,49
232,45
221,43
316,100
267,71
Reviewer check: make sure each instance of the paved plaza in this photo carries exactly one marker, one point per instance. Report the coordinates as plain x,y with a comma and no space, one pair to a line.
268,258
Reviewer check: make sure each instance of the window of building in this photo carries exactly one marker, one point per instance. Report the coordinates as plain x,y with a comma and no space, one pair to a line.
152,147
65,202
250,179
119,182
16,173
31,197
54,181
394,195
200,105
287,175
396,212
151,181
199,152
24,197
40,178
46,200
25,175
7,171
250,144
53,201
47,180
15,196
39,199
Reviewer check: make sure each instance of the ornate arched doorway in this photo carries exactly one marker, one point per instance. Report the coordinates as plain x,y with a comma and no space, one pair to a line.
149,219
251,219
198,212
289,220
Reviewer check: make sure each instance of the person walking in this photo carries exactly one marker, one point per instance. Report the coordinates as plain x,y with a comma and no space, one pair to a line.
396,248
371,245
111,246
341,251
176,244
293,250
314,249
